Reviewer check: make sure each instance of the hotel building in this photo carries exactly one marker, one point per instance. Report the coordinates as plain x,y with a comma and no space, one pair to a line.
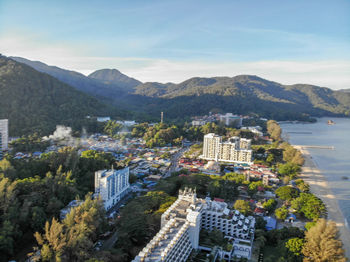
181,225
234,150
112,185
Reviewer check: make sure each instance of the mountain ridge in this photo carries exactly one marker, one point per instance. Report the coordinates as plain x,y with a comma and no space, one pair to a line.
36,102
242,94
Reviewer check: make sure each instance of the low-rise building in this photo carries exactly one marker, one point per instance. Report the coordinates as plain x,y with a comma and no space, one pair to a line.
112,185
181,224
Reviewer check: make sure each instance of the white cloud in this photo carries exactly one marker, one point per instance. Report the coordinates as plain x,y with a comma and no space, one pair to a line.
333,74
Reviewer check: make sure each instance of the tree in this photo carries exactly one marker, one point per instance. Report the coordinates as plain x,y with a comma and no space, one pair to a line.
322,243
242,206
270,205
295,245
274,129
281,213
309,205
286,192
289,169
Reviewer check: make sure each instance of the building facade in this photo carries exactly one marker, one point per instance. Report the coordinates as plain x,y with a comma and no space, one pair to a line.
4,136
181,224
234,150
230,119
112,185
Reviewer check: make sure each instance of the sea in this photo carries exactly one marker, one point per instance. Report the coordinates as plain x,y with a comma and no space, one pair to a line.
334,164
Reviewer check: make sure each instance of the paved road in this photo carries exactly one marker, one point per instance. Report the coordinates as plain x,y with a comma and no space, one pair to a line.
175,160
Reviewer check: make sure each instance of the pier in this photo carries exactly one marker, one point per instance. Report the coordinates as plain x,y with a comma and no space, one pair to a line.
317,147
297,132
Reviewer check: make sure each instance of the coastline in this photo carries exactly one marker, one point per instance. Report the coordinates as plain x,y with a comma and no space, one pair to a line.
319,186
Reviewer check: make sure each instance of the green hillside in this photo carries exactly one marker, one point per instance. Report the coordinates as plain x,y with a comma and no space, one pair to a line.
37,102
244,94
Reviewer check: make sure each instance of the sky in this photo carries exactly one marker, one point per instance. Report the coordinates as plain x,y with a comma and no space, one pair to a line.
289,41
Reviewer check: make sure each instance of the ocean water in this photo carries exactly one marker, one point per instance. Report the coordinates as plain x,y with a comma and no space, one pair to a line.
334,164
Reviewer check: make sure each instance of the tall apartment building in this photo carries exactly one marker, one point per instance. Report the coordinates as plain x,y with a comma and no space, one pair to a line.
211,145
112,185
4,136
234,150
181,224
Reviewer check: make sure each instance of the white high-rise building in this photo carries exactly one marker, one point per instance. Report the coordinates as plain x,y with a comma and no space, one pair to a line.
211,145
181,224
234,150
112,185
4,136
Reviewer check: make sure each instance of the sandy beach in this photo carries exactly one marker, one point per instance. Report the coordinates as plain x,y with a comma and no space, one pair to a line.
319,186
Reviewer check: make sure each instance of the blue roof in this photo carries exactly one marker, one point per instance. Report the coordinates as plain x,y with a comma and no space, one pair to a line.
291,216
270,223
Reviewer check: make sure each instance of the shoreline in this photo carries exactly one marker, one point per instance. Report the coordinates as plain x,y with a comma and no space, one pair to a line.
311,174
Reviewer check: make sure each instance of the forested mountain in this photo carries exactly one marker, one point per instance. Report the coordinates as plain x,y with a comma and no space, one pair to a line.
115,77
246,94
36,102
79,81
243,94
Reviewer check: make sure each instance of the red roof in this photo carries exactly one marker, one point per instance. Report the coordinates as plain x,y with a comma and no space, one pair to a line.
219,199
259,210
183,175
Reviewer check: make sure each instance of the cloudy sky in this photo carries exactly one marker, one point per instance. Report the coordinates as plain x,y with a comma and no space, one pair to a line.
290,41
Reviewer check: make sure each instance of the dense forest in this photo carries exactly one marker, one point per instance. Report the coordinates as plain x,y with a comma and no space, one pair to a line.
37,102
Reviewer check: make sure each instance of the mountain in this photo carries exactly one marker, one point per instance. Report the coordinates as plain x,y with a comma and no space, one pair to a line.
244,94
79,81
36,102
115,77
344,90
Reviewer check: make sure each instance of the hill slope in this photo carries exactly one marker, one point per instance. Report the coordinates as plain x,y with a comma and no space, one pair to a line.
79,81
37,102
244,94
115,77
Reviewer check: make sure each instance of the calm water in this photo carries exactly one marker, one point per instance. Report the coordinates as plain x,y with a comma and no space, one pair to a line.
334,164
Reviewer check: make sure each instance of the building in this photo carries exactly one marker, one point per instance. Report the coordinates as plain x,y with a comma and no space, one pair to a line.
103,118
68,208
181,224
112,185
198,122
4,136
236,150
230,119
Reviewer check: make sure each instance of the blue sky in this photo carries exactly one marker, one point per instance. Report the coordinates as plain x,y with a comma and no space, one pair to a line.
288,41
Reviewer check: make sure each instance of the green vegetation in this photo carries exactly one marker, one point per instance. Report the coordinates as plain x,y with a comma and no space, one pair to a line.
73,238
139,222
270,205
295,245
286,192
281,213
30,143
322,243
242,206
274,130
276,249
243,94
309,205
33,191
37,102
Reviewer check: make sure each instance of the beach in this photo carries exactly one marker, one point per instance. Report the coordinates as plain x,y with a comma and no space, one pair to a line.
319,186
